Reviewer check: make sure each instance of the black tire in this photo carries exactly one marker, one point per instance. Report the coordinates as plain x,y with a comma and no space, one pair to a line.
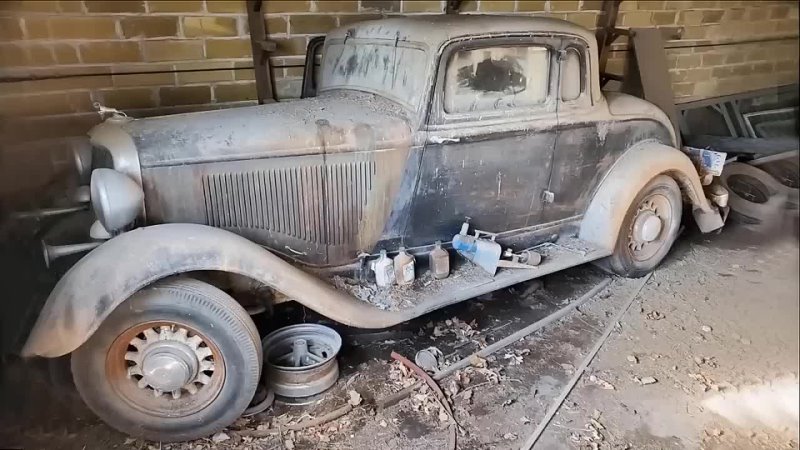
627,262
227,336
787,174
752,193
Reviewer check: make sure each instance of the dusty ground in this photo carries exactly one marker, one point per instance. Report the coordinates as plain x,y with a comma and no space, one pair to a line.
716,328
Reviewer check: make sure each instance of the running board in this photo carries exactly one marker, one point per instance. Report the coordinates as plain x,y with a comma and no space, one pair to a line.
468,281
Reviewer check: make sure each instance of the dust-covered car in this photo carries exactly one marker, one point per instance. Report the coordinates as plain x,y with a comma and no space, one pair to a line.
423,129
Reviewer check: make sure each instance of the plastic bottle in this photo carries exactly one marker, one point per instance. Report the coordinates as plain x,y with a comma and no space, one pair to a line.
439,262
384,270
403,267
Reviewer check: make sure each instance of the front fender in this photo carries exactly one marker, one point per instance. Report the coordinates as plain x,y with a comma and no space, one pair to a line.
112,272
634,169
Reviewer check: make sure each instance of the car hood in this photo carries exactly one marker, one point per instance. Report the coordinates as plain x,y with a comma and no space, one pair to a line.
343,121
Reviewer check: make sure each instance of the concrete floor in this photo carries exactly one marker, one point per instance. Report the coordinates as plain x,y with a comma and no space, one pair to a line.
716,327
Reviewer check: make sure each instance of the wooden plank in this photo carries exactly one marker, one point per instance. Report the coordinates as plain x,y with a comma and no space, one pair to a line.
649,75
260,47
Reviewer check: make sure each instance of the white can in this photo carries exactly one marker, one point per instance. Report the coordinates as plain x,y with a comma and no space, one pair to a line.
384,270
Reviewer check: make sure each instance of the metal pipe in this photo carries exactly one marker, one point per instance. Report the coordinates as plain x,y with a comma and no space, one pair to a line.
48,212
505,342
53,252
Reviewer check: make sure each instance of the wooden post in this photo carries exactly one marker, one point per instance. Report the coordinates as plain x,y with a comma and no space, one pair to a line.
261,48
605,30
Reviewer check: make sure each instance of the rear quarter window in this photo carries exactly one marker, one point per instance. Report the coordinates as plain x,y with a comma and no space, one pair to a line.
496,78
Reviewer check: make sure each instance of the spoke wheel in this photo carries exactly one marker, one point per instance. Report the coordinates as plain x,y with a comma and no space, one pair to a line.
179,360
165,368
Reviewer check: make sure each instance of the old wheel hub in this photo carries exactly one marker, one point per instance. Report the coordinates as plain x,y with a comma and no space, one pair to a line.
167,360
647,235
169,366
647,227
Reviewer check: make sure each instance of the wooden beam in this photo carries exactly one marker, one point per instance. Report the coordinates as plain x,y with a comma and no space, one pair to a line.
261,48
605,31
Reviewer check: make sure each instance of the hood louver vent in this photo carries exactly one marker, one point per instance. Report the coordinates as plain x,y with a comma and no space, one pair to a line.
314,203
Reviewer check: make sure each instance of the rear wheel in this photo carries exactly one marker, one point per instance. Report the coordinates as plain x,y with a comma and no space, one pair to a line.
649,228
179,360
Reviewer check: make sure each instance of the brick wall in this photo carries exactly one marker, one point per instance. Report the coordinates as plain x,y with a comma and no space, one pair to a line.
149,57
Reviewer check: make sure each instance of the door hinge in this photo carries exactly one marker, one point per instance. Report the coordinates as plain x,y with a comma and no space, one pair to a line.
548,196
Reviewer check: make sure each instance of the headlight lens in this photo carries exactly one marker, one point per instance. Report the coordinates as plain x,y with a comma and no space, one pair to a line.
116,199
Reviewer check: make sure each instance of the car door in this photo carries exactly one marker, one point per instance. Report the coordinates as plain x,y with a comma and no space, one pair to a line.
490,138
580,158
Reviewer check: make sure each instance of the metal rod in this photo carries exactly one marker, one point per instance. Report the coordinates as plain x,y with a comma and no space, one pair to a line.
505,342
47,212
531,441
772,158
53,252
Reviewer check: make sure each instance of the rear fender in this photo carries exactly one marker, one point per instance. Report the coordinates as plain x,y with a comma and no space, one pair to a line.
632,171
112,272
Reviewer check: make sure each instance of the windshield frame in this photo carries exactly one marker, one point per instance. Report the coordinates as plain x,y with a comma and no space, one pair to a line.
421,100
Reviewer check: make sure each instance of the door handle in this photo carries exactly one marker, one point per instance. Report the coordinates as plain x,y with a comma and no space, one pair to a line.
443,140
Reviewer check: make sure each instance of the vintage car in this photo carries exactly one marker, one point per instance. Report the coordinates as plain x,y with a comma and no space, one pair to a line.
420,124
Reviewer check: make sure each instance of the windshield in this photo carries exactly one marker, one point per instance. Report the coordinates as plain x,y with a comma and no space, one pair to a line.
397,71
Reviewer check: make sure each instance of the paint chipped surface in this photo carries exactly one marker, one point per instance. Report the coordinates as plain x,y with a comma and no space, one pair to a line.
334,122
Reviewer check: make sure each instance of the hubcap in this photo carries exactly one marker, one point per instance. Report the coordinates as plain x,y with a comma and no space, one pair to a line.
169,365
647,226
648,232
166,369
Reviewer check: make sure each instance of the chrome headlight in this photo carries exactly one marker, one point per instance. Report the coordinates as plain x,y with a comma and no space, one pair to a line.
116,199
82,158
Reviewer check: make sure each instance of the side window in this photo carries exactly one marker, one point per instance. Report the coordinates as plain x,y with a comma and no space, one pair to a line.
571,75
496,78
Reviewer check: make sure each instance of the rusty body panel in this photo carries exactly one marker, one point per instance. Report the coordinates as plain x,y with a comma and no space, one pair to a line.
373,163
310,179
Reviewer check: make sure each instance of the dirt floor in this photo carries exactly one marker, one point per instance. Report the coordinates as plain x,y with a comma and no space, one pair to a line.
706,357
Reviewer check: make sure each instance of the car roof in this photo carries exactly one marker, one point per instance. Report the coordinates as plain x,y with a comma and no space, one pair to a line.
434,30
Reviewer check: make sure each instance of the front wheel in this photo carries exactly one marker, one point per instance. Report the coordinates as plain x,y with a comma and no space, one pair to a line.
179,360
648,229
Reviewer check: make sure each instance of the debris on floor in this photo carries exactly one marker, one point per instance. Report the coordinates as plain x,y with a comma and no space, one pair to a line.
655,383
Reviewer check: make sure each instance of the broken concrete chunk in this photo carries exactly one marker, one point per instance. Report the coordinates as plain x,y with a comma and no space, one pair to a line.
220,437
647,380
600,382
353,398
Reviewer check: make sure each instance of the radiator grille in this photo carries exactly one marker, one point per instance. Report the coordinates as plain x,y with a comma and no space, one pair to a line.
320,204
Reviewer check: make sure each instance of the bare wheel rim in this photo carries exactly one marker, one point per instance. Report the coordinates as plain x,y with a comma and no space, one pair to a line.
301,359
165,369
650,227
